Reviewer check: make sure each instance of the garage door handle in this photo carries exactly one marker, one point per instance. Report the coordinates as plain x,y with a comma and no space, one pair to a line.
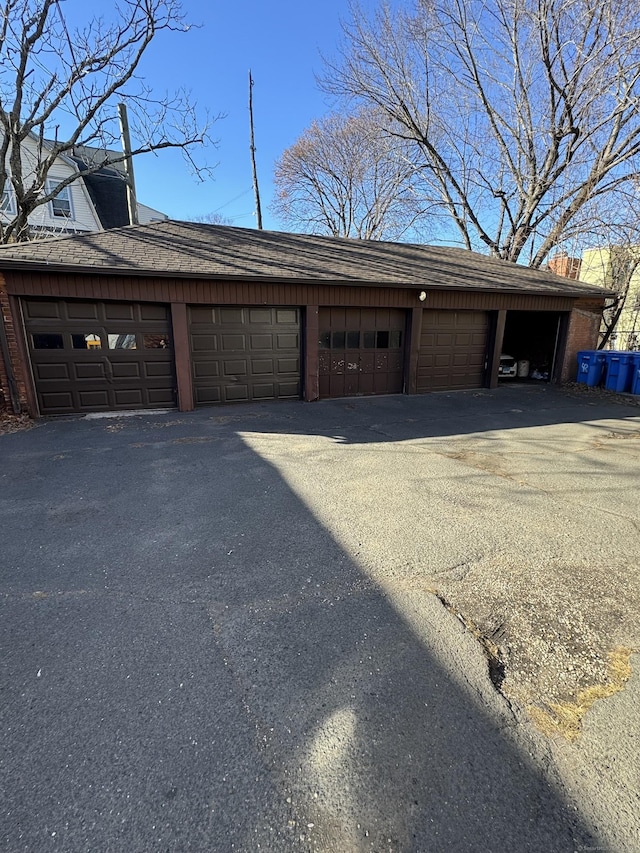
108,369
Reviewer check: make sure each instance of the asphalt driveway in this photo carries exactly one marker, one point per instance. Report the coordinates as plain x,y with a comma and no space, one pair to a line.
393,624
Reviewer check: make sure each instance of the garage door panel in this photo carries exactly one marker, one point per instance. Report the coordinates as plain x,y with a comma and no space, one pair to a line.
261,342
264,392
90,371
131,397
62,401
235,368
51,371
233,343
207,395
204,343
260,316
94,399
268,339
237,393
158,370
93,355
289,390
81,310
151,312
119,311
230,316
287,342
444,339
206,370
44,309
262,366
125,370
160,396
453,347
201,315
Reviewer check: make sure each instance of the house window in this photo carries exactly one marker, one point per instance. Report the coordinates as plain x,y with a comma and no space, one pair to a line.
61,204
7,203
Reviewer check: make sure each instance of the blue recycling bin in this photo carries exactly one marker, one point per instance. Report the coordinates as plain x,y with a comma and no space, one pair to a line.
590,367
635,373
619,370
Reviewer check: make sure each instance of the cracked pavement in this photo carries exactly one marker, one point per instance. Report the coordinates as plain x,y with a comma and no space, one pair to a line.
224,629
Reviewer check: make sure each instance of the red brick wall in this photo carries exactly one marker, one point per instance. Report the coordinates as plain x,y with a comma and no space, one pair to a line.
565,266
584,327
10,328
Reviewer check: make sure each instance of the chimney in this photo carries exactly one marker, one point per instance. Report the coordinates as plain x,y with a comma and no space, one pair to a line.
565,266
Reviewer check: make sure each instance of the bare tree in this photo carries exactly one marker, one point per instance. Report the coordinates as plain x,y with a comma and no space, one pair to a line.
622,264
213,218
522,111
348,177
58,93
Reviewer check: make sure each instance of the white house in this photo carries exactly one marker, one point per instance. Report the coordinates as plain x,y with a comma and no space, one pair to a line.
93,202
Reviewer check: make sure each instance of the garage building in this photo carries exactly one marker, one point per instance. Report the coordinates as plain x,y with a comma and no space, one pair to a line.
183,314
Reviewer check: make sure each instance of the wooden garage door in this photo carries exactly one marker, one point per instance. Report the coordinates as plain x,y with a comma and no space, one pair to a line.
248,353
453,350
361,351
99,356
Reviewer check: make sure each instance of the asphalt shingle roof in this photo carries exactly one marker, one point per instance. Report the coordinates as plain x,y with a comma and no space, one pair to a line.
194,250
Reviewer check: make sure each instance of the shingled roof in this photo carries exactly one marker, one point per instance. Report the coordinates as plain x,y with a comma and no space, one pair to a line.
194,250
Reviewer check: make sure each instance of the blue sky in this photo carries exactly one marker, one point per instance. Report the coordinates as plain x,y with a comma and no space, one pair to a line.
281,41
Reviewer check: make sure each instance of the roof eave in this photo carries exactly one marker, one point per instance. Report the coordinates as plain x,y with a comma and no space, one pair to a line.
29,266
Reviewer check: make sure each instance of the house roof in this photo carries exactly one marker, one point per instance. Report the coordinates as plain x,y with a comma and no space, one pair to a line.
107,189
194,250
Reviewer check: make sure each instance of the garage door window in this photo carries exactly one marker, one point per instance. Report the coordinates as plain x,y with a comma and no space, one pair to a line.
156,342
47,341
122,341
351,340
91,340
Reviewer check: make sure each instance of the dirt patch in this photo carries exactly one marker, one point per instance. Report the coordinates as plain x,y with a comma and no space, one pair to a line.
597,394
553,637
14,423
565,718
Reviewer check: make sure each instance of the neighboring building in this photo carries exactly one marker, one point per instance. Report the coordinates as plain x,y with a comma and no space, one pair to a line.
178,313
599,266
91,203
565,266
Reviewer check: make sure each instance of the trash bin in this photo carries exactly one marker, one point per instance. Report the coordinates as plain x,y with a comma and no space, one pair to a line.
619,371
635,372
590,367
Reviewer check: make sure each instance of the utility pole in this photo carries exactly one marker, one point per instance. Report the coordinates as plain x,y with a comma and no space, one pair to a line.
132,203
252,148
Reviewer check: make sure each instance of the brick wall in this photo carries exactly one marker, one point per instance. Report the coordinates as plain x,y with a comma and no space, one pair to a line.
10,329
565,266
584,326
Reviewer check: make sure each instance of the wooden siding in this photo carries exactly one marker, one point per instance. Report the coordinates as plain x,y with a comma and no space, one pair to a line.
466,301
193,291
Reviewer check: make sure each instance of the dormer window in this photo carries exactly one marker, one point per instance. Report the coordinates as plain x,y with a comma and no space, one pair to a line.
61,203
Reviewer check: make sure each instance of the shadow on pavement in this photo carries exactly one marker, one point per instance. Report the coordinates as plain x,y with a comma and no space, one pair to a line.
190,661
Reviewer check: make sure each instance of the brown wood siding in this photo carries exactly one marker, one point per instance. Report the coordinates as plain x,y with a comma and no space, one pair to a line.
193,291
453,300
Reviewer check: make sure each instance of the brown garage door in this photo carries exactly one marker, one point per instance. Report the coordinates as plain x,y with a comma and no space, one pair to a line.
361,351
240,354
453,350
99,356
